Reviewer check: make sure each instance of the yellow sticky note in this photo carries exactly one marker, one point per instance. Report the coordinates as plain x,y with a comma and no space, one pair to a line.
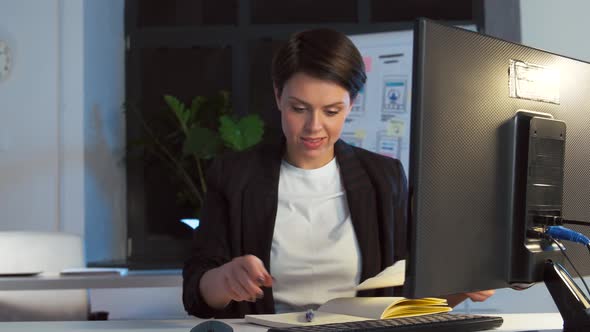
360,133
395,128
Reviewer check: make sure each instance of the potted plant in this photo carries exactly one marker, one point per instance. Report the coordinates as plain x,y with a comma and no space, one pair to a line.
195,134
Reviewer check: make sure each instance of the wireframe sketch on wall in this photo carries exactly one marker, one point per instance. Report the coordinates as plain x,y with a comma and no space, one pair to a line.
380,117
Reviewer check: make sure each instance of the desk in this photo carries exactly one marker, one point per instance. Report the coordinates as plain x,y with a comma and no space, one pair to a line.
137,279
512,322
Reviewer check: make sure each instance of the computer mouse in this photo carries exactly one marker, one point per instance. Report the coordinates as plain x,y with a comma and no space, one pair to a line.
212,326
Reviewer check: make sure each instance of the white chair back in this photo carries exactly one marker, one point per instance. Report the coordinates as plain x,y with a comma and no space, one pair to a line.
23,253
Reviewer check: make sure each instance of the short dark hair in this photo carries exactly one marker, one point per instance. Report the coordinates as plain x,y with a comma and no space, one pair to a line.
324,54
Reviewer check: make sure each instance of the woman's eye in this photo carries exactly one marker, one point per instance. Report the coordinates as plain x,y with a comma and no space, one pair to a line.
331,113
298,109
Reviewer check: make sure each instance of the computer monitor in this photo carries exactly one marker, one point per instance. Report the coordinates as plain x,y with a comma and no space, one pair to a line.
464,234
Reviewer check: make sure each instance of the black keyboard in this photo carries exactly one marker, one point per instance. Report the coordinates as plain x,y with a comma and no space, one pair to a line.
437,322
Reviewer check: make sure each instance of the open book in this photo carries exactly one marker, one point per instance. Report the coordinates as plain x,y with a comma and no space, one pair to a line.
351,309
392,276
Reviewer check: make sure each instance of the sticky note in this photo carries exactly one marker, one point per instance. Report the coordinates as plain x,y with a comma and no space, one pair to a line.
360,133
395,128
368,63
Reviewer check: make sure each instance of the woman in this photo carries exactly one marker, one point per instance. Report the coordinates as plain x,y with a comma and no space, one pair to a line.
317,214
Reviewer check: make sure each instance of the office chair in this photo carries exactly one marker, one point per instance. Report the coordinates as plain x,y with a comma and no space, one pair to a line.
25,253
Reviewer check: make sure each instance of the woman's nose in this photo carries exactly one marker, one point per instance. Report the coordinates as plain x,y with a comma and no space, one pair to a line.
314,121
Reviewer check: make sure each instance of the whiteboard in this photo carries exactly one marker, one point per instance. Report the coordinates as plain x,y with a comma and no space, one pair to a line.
381,113
380,117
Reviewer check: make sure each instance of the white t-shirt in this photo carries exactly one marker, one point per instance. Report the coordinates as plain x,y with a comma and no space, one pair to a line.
315,255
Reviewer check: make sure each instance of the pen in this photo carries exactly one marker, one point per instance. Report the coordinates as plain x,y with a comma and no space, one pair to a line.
309,315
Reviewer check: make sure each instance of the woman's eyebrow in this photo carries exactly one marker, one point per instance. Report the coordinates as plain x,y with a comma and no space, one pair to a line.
338,103
299,101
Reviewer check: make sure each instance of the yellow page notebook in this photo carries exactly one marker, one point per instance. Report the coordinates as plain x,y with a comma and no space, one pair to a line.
350,309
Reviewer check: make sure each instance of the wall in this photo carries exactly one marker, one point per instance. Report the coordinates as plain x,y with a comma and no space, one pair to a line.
62,128
71,115
29,104
502,19
104,130
557,26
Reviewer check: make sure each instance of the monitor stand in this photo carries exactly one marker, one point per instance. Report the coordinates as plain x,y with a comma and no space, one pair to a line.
572,303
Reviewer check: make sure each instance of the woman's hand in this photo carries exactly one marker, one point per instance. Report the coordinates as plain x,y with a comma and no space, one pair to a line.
238,280
480,296
243,278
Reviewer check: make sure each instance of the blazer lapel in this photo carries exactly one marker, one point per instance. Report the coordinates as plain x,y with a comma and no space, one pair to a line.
259,210
259,204
362,205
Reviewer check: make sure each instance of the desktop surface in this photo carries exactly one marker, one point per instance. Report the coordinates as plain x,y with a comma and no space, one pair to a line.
512,322
131,264
43,281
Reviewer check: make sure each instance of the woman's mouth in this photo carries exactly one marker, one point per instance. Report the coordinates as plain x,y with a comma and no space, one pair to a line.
312,143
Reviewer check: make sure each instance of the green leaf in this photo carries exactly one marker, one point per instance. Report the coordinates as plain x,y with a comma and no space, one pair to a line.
201,142
195,110
178,108
242,134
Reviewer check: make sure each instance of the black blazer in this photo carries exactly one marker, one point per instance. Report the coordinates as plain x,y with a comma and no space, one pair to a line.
240,208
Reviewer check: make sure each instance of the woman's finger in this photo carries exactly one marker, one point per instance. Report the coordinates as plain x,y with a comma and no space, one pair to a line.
233,294
480,296
257,271
233,284
248,284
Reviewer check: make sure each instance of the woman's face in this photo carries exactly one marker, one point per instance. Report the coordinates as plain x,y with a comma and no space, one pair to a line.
312,115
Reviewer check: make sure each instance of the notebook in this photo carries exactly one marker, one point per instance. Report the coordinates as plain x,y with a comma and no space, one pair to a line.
351,309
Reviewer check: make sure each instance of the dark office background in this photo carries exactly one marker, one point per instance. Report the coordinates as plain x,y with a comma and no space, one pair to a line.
199,47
